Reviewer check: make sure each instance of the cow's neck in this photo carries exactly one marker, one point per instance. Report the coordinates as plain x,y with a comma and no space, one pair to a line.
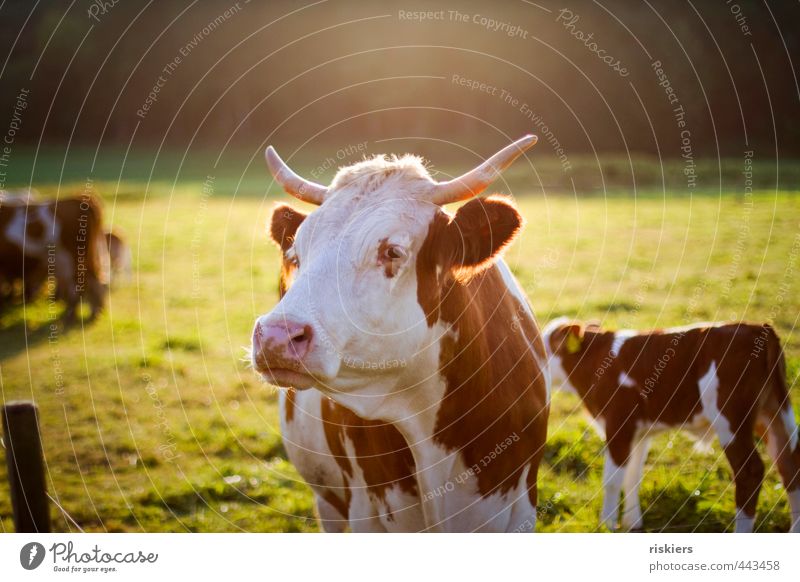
589,372
494,408
411,401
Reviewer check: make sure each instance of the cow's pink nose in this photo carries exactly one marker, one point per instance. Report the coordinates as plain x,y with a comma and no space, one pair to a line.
282,343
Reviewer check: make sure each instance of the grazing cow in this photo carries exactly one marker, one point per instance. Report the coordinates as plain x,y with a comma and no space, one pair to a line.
61,238
119,253
727,379
415,398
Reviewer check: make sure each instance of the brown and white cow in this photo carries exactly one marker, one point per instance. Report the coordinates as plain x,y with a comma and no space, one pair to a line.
416,398
62,239
727,379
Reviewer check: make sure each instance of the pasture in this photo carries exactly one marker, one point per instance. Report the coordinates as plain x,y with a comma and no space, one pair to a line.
152,421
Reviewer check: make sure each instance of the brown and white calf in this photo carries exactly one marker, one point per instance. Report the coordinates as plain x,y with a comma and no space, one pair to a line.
727,379
415,396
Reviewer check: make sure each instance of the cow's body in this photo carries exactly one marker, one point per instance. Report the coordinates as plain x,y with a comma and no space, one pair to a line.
62,240
363,473
424,405
723,380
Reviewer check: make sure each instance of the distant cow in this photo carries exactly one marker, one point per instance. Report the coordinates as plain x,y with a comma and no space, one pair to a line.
727,379
413,364
119,257
59,240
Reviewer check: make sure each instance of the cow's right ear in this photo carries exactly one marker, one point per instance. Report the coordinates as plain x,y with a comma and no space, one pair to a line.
573,338
284,224
478,233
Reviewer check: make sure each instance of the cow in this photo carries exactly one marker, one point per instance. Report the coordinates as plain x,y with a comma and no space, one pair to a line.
723,379
59,240
119,254
411,365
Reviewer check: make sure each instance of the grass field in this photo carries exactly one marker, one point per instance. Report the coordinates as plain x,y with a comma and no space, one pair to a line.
151,420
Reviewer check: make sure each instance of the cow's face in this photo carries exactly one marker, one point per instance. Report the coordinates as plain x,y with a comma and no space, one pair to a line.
364,273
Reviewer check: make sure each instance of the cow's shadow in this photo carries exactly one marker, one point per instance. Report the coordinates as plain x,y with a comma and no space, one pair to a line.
18,335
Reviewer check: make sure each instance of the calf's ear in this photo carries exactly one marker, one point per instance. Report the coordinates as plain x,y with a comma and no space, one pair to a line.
570,339
478,232
284,224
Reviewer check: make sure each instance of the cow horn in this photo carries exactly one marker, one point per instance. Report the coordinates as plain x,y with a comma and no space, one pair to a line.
298,187
475,181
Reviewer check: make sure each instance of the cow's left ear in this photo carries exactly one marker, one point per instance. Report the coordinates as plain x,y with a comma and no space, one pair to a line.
284,224
480,230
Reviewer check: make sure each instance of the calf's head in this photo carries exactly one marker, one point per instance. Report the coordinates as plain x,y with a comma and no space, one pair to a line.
364,273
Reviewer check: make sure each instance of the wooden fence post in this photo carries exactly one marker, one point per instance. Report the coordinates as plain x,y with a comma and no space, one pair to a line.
25,464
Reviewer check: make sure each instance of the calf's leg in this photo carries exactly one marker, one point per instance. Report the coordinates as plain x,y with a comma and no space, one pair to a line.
748,473
632,513
783,447
617,457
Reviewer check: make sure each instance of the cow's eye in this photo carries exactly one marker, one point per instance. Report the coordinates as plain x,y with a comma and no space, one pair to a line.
394,252
391,258
292,259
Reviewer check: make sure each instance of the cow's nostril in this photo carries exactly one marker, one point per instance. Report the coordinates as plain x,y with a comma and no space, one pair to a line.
301,336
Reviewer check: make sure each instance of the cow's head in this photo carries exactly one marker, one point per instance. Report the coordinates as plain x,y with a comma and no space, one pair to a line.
363,274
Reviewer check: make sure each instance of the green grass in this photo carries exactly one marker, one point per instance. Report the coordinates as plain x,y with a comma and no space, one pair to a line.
151,420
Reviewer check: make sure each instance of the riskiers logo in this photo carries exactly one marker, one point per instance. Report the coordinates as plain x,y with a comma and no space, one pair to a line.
31,555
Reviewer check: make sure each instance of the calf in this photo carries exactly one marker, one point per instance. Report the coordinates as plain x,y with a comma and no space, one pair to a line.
59,238
729,378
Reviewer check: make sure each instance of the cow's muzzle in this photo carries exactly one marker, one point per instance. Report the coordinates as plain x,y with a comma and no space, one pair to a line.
280,349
